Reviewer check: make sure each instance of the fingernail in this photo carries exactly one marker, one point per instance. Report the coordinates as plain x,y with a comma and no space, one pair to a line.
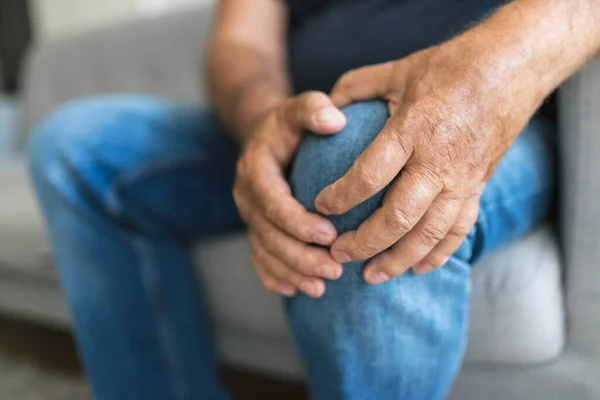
377,277
320,206
340,256
329,115
325,234
337,272
313,289
306,287
319,288
422,268
288,292
329,271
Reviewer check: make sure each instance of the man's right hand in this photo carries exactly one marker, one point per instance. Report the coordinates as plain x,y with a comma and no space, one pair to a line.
279,228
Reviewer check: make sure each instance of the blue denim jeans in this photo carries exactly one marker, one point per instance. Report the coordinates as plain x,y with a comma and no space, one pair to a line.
126,182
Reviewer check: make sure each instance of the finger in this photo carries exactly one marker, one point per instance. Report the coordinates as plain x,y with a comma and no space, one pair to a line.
415,245
314,111
313,287
299,256
449,245
376,167
370,82
270,282
272,195
405,203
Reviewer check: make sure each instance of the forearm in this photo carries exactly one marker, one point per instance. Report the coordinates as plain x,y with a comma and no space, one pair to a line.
243,83
246,62
534,45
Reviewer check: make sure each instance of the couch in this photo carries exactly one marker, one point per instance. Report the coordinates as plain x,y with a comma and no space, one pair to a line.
535,309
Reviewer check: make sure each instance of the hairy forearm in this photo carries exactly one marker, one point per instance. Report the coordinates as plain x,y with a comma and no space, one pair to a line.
534,45
243,84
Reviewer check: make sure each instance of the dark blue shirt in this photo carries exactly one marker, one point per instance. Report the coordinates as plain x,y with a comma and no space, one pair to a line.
329,37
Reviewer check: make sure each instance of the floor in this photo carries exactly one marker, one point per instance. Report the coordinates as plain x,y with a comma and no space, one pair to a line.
36,360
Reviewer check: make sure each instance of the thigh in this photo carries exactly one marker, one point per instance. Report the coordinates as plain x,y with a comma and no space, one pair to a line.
152,165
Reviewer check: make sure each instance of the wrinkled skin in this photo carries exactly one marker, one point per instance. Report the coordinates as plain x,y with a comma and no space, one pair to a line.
451,122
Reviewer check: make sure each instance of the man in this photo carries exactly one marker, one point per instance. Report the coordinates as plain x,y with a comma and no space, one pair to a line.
425,153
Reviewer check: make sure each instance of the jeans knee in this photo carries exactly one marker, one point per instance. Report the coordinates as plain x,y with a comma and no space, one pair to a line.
70,127
321,160
79,137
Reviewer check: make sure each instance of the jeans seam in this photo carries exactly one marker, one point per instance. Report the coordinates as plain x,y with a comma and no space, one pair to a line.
165,332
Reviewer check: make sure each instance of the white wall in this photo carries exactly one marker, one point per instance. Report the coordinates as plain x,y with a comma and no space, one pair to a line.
57,18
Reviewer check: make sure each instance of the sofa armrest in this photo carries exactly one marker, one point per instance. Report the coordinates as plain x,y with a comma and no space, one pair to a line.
579,146
158,56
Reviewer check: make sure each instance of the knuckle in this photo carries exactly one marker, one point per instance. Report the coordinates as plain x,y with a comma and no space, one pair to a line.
269,239
269,283
472,214
294,279
272,211
313,96
241,201
368,178
305,259
400,141
242,165
398,221
364,250
437,260
295,261
428,177
394,269
345,80
460,230
431,234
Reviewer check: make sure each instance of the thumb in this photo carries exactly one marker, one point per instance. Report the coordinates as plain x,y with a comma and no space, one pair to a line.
314,111
366,83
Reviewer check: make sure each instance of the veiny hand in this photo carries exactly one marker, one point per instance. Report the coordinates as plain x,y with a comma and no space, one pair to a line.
279,228
453,116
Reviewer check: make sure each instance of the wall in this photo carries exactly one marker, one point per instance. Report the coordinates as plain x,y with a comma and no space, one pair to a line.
56,18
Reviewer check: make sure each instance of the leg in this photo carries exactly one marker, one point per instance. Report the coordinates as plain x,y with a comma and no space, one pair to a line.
123,181
403,339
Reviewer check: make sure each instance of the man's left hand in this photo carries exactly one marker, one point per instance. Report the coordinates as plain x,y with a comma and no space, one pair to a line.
454,113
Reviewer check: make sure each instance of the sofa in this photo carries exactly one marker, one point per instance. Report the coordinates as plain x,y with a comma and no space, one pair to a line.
535,307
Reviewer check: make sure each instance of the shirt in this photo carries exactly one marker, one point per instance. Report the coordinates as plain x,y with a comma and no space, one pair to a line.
329,37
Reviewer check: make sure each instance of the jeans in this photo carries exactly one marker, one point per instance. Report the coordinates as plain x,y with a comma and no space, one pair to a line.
126,182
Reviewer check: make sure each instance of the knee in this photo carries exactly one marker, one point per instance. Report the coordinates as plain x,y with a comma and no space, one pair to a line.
321,160
70,127
76,134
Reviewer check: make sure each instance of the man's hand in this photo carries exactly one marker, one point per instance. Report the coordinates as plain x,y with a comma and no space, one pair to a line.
280,229
451,122
455,109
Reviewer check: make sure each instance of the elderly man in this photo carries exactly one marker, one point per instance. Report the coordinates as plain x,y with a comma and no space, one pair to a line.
376,149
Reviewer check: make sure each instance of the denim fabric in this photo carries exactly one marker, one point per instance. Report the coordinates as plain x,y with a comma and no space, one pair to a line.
404,339
126,182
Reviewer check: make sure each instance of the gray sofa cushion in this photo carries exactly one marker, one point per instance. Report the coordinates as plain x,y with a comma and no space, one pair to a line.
23,245
516,307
